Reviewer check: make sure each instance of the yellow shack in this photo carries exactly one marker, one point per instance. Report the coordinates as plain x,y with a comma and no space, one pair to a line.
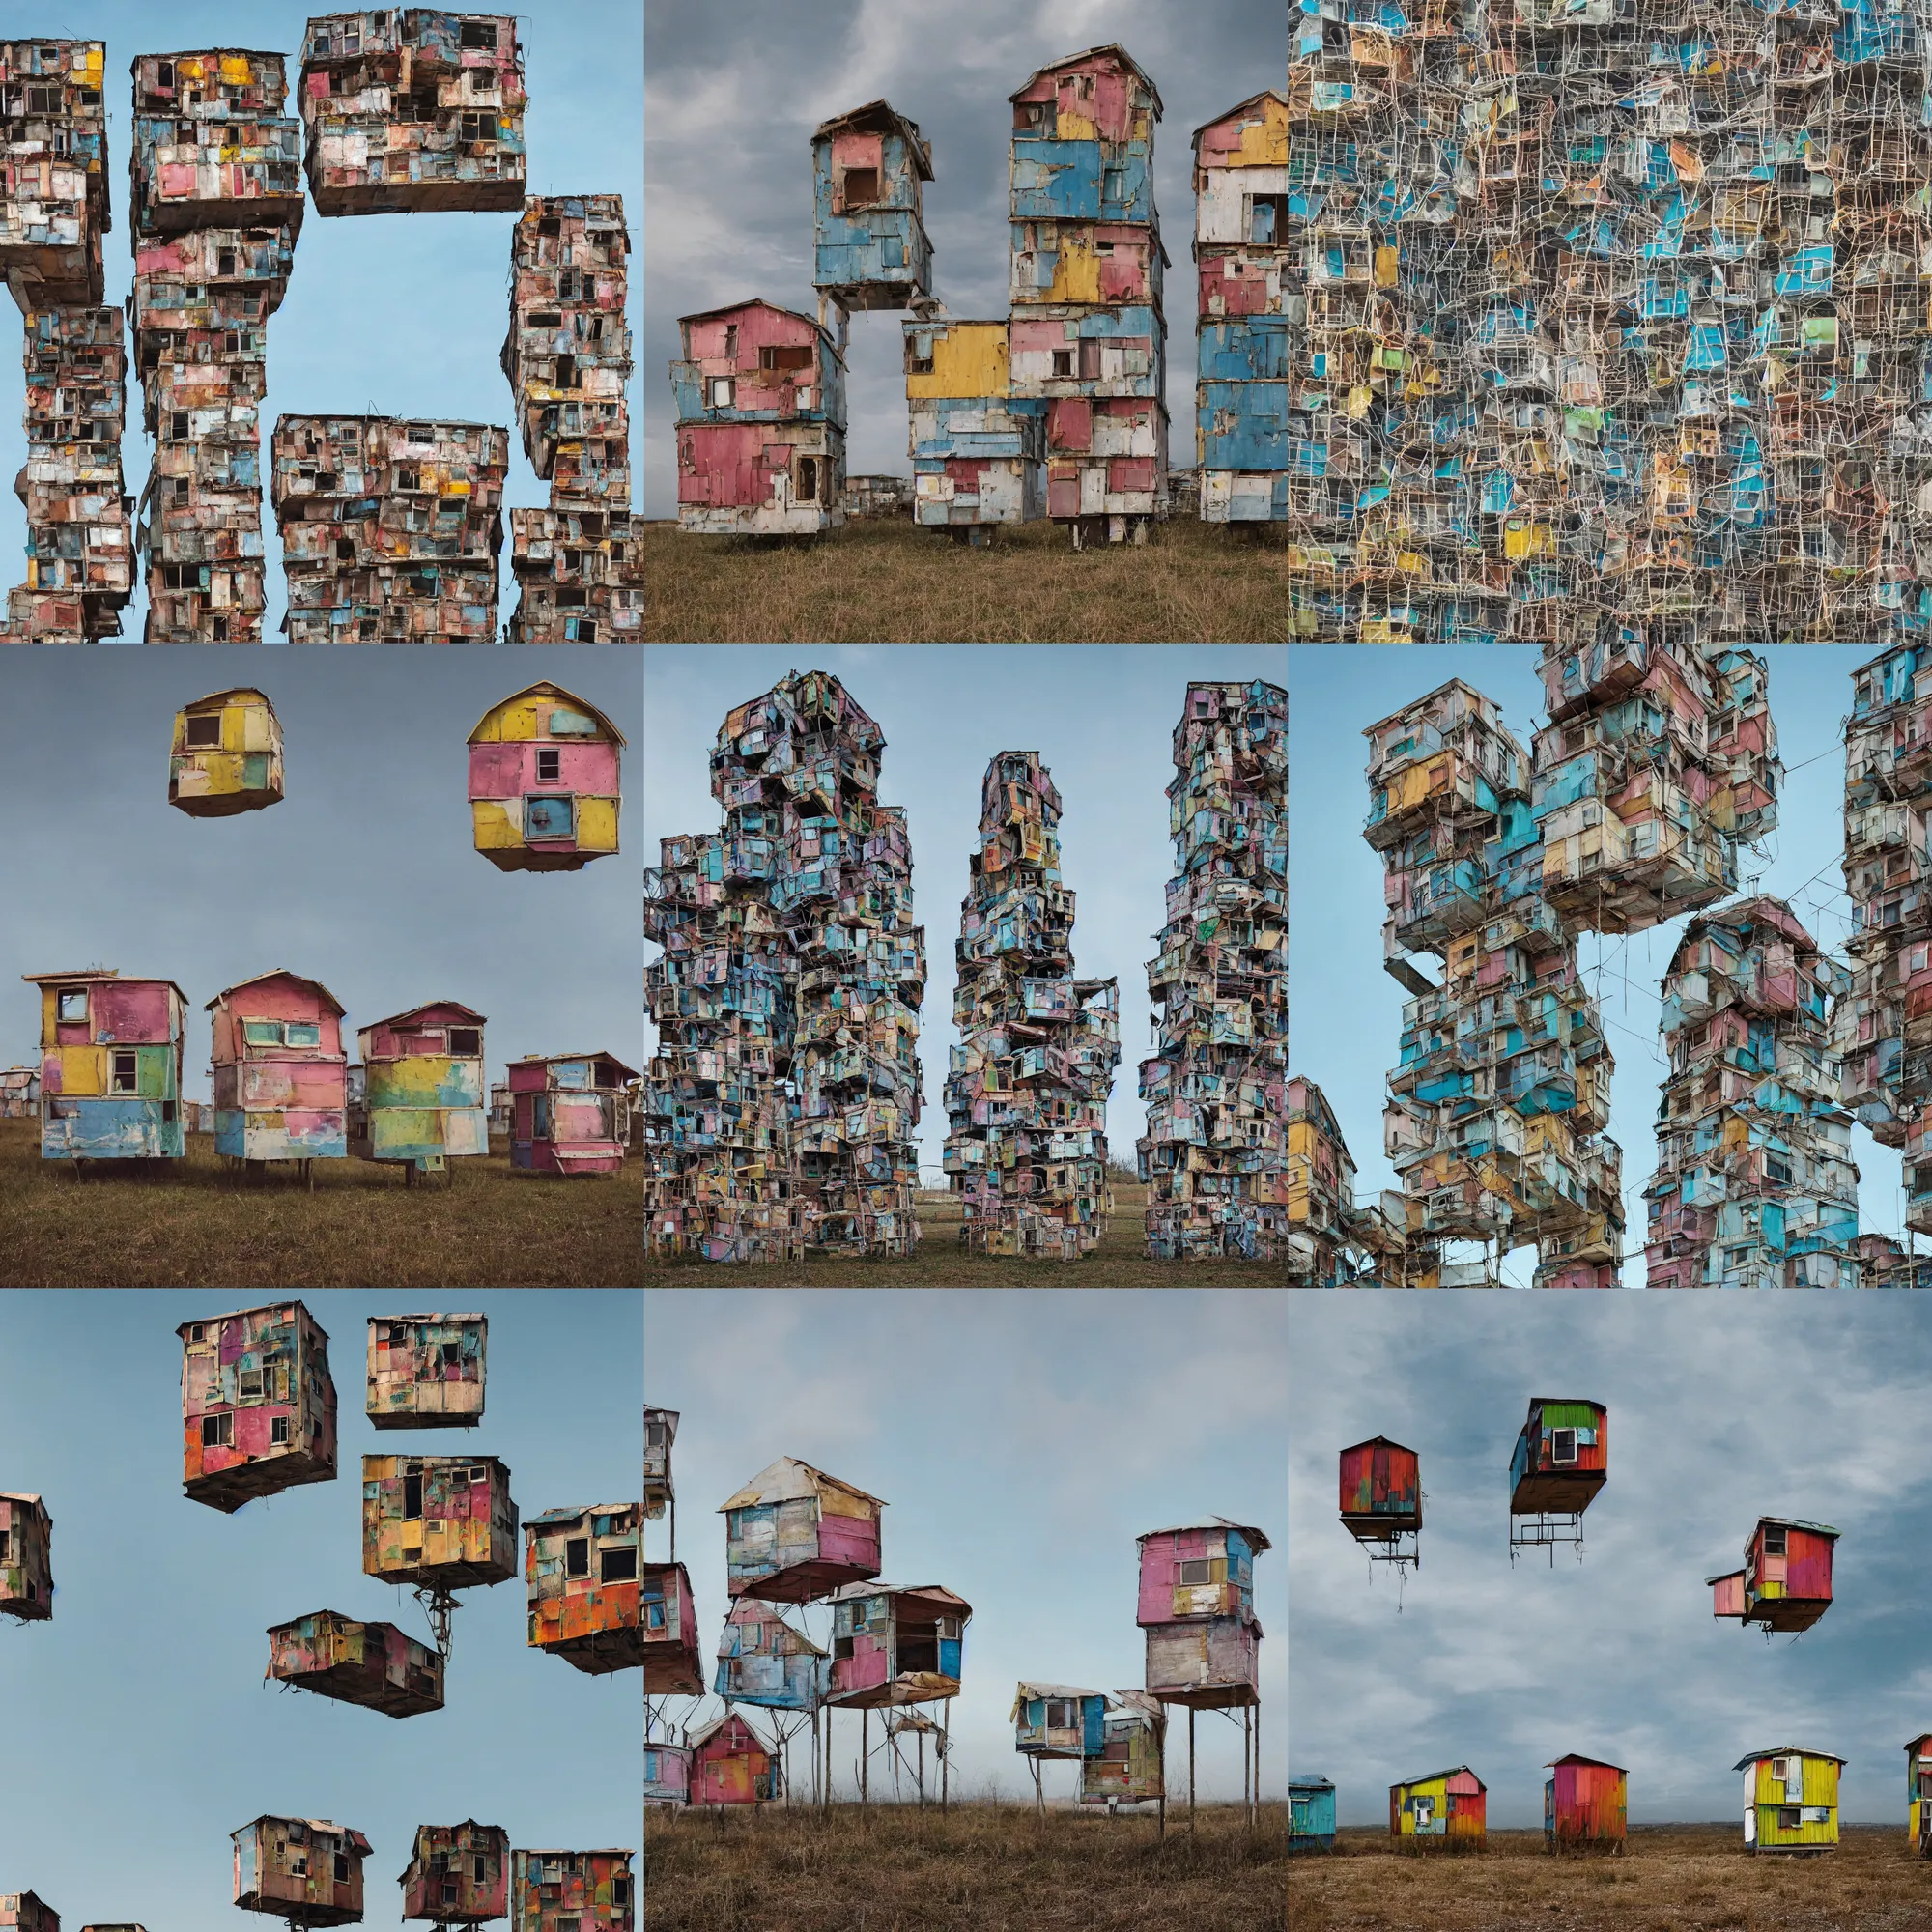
544,781
227,754
1790,1800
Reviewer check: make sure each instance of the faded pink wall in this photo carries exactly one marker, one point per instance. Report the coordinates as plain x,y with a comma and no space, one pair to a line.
133,1011
1161,1557
508,771
704,341
280,997
849,1538
385,1042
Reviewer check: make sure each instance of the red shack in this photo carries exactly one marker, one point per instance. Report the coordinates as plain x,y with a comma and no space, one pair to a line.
1585,1802
730,1765
1381,1499
1786,1582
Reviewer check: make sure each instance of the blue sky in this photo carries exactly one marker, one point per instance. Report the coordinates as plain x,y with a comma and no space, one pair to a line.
1022,1441
1344,1012
1719,1412
385,314
363,876
1103,719
139,1732
734,93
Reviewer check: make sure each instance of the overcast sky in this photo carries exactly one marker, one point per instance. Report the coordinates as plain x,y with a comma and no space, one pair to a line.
385,314
733,93
1346,1012
1713,1421
363,876
1103,719
1022,1441
139,1732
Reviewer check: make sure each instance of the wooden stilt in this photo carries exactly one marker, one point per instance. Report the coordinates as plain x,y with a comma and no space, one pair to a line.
945,1752
1190,1771
865,1756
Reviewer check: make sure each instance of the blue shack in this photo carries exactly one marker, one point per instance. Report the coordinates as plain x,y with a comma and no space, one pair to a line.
1242,214
1088,332
1311,1814
979,451
871,248
1058,1721
764,1660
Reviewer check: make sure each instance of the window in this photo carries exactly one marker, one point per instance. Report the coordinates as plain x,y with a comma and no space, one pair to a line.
785,356
1788,1818
1773,1540
341,1866
620,1890
217,1432
1063,362
808,480
127,1074
261,1032
842,1649
479,34
165,75
1562,1445
71,1004
731,341
1062,1713
1194,1572
412,1498
480,1871
617,1566
250,1383
1090,358
5,1535
720,391
861,188
550,766
278,1429
303,1033
477,125
1114,186
577,1556
466,1042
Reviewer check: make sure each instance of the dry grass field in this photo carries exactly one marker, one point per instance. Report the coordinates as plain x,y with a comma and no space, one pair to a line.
360,1228
980,1868
890,582
1117,1263
1668,1879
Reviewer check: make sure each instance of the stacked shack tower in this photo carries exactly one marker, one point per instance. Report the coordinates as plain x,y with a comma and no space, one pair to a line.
1026,1098
779,1108
567,357
1215,1153
1088,330
1495,1116
1882,1027
215,175
53,211
1245,284
1756,1185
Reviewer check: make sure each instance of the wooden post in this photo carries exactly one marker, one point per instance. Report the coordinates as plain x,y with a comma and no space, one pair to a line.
945,1752
1161,1832
922,1770
1190,1771
865,1754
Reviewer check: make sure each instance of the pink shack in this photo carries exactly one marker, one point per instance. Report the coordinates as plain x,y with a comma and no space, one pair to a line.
671,1665
760,423
895,1645
569,1113
258,1405
418,1097
110,1066
281,1078
1197,1604
545,782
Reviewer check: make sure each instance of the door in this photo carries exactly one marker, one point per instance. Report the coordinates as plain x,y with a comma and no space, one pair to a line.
1750,1804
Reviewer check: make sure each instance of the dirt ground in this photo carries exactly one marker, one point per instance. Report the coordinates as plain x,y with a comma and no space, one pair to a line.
939,1261
890,582
1668,1879
187,1224
980,1868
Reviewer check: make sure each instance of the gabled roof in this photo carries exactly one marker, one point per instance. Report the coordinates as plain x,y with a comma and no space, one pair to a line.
94,974
936,1593
277,973
542,688
1085,54
296,1313
696,1740
786,1481
1386,1441
551,1058
1786,1750
1240,107
823,333
1256,1539
1309,1780
756,1611
1025,1694
1794,1522
222,696
880,117
553,1516
1430,1777
348,1832
1601,1763
411,1012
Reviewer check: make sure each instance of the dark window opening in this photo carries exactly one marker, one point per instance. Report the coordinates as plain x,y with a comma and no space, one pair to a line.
617,1566
73,1003
550,766
586,630
345,549
1063,362
566,373
1090,358
785,356
178,425
217,1432
342,1865
479,34
278,1429
412,1498
620,1891
127,1074
1029,117
842,1648
918,1647
478,126
808,480
861,188
225,262
1195,1571
577,1556
165,75
219,628
1774,1543
204,733
466,1042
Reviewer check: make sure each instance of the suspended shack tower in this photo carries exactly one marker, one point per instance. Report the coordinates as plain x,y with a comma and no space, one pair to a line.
1382,1501
670,1628
1057,1721
765,1662
440,1523
1197,1604
1561,1460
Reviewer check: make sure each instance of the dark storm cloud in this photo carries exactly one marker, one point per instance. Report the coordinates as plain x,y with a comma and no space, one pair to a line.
733,93
1722,1408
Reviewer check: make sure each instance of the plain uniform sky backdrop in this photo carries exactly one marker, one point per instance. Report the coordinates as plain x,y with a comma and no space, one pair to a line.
364,875
1021,1442
734,93
1344,1012
139,1731
385,314
1719,1414
1102,717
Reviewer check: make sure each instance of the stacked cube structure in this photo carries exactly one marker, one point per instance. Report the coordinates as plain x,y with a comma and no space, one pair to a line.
1659,762
217,197
413,110
390,530
781,1105
1026,1097
567,357
1495,1116
1756,1185
53,211
1883,1024
1216,1152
